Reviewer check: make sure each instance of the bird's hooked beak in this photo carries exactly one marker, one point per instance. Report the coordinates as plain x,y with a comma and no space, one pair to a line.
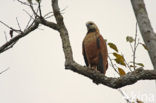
87,25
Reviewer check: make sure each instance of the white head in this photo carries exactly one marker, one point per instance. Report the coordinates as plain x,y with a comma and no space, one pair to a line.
91,26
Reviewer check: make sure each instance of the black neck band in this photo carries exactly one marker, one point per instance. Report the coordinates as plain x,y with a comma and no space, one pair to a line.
91,30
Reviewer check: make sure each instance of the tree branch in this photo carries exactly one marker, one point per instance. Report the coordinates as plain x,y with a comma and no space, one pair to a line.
99,78
63,33
48,23
4,70
12,41
146,29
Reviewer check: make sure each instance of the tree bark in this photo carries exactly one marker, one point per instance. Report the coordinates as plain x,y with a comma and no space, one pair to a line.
63,33
146,29
97,77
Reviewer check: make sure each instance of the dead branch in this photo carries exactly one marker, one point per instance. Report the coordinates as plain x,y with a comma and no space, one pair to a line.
128,79
97,77
12,41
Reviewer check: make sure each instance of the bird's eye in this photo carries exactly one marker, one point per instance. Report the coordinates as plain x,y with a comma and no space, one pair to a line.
90,23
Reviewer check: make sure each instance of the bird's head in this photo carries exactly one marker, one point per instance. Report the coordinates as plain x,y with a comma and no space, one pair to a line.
91,27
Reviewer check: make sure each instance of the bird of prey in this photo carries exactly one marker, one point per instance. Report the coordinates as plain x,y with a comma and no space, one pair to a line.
94,49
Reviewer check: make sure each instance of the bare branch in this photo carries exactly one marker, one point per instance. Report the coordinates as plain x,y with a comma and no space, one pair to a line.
113,65
131,47
10,27
4,70
135,46
5,36
127,64
32,8
96,76
49,24
125,96
99,78
63,33
12,41
31,16
28,23
18,24
39,7
47,14
24,3
146,29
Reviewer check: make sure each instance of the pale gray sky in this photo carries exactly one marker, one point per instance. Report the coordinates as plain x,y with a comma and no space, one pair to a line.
36,62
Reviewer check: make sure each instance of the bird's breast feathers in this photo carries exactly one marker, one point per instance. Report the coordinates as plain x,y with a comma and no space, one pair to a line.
90,38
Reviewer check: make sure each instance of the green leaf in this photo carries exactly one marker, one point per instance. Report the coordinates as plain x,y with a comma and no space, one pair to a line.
38,1
121,71
113,46
140,64
132,66
119,59
30,1
139,101
144,46
129,39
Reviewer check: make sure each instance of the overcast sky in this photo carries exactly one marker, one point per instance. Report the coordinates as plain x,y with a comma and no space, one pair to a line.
36,62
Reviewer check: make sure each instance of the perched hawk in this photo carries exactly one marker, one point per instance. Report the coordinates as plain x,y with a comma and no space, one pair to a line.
94,49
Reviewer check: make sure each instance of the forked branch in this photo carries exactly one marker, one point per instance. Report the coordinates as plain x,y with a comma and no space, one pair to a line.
97,77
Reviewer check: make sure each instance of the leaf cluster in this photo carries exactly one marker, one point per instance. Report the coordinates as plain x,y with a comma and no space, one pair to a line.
120,61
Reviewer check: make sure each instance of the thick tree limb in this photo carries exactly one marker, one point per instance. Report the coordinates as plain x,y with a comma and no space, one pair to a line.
146,29
99,78
63,33
48,24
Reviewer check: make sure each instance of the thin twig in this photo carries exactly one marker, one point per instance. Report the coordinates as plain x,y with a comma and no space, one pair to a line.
5,36
50,14
131,47
18,24
10,27
32,8
113,65
135,46
31,16
126,63
24,3
47,14
125,96
39,7
5,25
4,70
28,23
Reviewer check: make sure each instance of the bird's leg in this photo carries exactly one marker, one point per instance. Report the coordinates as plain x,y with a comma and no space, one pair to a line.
94,68
89,66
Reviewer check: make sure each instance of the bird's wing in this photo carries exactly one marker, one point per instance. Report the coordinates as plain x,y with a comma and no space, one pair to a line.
84,54
101,45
